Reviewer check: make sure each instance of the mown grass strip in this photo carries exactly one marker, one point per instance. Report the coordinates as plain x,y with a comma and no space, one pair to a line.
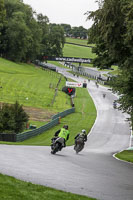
14,189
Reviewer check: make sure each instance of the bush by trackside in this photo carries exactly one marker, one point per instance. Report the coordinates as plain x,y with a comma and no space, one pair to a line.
13,118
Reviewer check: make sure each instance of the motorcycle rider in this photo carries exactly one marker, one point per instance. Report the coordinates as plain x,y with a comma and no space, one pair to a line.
64,134
114,104
104,95
82,136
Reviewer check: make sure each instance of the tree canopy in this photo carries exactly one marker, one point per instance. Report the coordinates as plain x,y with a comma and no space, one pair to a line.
26,35
76,32
112,31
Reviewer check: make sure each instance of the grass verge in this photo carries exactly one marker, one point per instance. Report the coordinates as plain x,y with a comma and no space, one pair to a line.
58,64
14,189
126,155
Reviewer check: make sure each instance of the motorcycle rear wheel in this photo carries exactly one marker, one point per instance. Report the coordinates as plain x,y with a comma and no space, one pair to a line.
78,148
55,148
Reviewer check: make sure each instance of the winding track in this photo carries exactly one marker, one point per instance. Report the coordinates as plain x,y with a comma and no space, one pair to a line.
94,172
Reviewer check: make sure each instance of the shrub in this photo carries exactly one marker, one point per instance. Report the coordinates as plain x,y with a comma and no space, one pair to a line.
13,118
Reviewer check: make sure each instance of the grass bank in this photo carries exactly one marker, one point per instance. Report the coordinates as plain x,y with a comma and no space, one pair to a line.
78,41
77,51
14,189
70,50
31,86
83,118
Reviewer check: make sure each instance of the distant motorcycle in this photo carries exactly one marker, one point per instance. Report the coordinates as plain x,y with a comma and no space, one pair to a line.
79,145
57,144
114,105
104,95
96,84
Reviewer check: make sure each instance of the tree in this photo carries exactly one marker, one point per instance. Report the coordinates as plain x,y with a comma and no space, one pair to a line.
43,23
112,32
123,85
67,29
54,40
82,32
2,23
79,32
13,118
20,117
18,35
2,13
7,122
35,38
21,35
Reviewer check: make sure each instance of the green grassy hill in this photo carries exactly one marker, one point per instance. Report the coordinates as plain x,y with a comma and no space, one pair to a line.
31,86
71,50
22,81
34,88
83,118
78,41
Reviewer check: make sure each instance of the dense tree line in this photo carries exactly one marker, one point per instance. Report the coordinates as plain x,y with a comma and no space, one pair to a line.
76,32
26,35
112,31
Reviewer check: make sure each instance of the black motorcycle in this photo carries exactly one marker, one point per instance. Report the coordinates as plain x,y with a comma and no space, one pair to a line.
57,144
79,145
104,95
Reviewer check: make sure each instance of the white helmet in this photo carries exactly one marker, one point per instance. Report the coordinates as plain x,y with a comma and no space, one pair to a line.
84,131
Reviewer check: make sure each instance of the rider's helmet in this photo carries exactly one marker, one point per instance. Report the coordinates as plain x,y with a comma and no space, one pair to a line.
66,127
84,131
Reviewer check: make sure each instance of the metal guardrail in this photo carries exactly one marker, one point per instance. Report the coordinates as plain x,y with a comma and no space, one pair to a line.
55,120
64,113
23,136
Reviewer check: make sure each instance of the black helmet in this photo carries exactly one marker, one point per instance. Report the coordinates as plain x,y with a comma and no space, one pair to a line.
66,127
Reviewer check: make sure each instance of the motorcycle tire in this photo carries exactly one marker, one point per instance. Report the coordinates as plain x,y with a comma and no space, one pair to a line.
55,148
77,148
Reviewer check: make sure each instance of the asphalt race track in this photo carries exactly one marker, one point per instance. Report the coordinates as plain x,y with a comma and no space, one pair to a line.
93,172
